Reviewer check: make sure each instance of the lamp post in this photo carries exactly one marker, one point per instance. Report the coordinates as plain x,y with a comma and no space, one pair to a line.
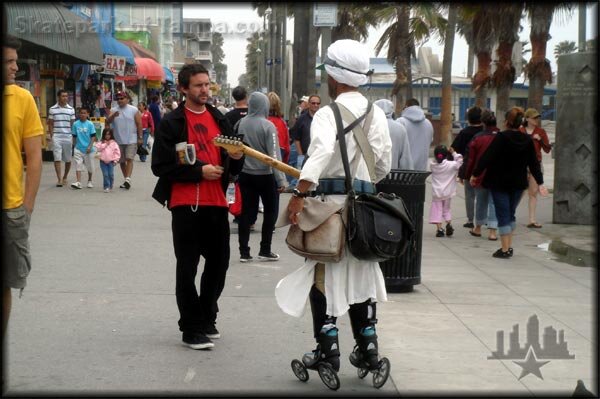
258,66
269,58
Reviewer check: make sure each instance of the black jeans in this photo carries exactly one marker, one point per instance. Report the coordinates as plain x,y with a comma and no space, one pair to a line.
202,233
252,187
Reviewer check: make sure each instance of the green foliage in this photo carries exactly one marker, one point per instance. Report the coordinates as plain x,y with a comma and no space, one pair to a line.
564,47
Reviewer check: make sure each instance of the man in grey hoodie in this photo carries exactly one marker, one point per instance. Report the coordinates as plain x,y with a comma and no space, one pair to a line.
259,180
420,133
401,156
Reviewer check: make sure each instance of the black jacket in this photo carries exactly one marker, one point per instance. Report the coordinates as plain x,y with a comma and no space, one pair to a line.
461,145
173,130
506,160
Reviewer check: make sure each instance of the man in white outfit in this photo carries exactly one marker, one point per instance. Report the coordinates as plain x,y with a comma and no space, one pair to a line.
349,285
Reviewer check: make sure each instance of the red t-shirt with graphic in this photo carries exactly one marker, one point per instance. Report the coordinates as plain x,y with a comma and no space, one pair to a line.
201,130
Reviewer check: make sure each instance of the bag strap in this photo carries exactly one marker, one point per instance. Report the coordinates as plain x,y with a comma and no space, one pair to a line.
341,133
360,136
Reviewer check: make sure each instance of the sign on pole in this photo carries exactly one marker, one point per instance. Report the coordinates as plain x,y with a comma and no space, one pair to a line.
325,14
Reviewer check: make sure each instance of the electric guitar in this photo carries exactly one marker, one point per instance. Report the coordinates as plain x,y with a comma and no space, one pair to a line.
236,145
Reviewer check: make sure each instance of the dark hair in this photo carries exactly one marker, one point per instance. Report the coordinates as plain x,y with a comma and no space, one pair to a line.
108,130
514,117
84,108
61,91
474,114
239,93
488,118
143,104
154,99
440,152
11,42
412,101
188,71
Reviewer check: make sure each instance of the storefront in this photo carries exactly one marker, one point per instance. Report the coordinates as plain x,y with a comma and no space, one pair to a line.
53,43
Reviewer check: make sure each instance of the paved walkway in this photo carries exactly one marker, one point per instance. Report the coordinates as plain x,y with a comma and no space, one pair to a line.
99,313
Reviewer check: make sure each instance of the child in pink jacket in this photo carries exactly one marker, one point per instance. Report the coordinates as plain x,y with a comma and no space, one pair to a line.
109,154
443,188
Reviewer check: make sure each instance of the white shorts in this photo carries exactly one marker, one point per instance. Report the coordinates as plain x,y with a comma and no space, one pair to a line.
82,160
62,146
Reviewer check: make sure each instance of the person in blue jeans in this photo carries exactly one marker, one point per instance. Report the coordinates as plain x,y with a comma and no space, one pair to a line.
506,161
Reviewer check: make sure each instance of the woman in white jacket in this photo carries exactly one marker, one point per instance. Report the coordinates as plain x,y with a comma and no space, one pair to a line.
443,188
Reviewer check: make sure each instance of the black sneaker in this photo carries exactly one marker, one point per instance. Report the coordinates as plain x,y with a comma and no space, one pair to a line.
197,341
211,332
268,256
246,258
501,254
510,251
469,225
449,230
440,233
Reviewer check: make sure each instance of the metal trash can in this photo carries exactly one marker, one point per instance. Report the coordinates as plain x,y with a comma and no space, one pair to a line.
403,272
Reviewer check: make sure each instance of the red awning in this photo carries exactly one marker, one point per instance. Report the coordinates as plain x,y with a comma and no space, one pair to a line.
149,69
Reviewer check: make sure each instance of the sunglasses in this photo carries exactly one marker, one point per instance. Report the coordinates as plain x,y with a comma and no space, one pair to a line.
330,62
316,103
120,98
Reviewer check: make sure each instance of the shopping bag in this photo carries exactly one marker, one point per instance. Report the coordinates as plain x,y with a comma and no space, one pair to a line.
235,208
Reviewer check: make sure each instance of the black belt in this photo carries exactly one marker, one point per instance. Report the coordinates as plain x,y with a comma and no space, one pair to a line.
338,186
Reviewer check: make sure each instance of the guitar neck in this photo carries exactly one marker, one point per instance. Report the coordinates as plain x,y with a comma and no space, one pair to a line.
234,145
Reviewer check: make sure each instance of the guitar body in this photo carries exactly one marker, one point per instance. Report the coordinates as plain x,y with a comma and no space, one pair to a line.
233,145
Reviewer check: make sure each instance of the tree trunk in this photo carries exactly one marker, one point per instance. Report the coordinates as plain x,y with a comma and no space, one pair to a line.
538,69
503,80
470,59
482,78
446,113
401,89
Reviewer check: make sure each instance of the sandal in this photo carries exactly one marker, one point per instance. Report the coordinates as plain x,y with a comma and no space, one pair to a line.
493,238
534,225
474,234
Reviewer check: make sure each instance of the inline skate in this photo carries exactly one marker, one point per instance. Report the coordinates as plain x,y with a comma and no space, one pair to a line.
325,359
365,357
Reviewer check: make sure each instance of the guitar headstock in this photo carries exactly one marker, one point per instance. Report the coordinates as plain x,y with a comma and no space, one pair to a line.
229,143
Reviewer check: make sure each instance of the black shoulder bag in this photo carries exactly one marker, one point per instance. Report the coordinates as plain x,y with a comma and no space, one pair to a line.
379,226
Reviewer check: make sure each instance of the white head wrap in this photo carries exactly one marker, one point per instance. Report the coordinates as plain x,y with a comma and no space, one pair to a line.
350,54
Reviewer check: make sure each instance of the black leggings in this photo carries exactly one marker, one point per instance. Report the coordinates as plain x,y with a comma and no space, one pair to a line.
359,313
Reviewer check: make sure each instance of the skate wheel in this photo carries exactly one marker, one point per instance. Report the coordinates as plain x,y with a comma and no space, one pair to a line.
362,373
299,370
381,375
329,377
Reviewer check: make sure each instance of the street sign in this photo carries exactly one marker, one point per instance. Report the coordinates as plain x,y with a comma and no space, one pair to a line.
325,14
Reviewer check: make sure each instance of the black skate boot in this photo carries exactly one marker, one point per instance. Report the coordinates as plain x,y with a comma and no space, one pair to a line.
365,357
327,349
325,359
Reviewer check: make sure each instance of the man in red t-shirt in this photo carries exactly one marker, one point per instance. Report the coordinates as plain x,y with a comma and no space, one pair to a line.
195,195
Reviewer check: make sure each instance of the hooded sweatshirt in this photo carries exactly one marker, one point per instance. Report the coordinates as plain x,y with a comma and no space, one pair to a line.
506,161
261,135
420,135
401,156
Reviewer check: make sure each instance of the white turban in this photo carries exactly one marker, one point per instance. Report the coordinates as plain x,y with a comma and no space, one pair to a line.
352,55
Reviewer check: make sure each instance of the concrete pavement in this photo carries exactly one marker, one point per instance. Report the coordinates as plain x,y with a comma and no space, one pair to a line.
99,317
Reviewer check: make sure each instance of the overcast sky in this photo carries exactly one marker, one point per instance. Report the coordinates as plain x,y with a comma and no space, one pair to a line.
237,21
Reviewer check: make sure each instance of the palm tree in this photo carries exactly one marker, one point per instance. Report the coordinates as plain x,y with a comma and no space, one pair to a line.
411,24
446,113
482,41
538,69
507,25
354,21
564,47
